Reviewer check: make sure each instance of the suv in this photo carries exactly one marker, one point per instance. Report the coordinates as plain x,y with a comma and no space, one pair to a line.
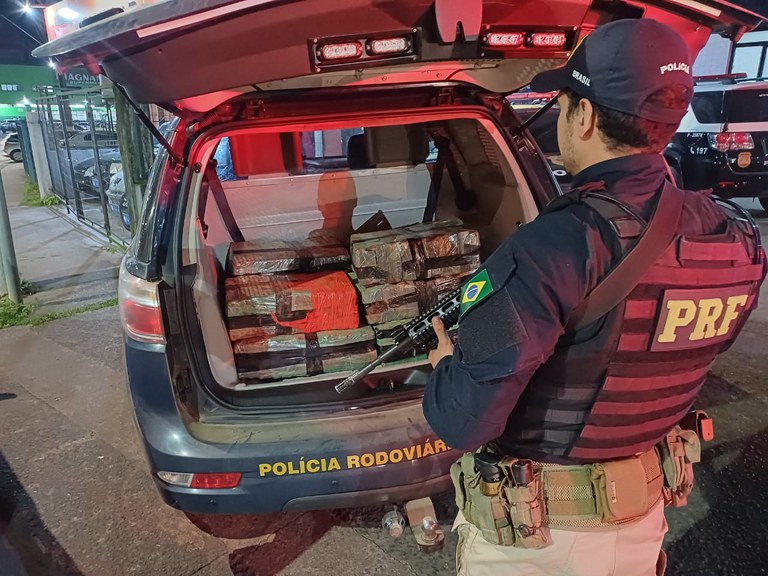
332,110
722,142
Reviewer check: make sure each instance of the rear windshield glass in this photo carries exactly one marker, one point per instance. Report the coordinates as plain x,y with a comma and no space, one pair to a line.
708,107
339,179
747,106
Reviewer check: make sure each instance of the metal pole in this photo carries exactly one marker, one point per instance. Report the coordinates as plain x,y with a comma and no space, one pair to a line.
7,252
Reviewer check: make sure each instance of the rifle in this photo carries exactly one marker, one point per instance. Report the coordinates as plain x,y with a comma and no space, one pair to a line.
417,332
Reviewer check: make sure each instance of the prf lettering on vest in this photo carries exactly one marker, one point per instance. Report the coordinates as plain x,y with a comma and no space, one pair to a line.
694,318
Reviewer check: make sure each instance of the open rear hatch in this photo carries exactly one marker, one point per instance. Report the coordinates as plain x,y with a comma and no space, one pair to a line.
173,53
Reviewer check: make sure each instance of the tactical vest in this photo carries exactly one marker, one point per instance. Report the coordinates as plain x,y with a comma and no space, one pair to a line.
615,388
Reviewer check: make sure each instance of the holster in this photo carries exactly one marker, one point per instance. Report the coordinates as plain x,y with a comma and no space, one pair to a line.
679,451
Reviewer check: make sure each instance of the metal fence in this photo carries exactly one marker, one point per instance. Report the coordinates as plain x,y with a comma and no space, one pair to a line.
80,134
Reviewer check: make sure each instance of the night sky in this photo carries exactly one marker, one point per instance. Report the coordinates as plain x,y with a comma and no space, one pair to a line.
15,46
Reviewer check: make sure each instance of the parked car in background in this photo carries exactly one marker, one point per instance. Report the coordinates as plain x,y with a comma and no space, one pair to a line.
722,142
115,190
7,126
117,199
12,147
87,180
84,140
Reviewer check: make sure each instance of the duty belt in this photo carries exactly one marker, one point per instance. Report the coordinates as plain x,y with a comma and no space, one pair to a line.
602,495
514,502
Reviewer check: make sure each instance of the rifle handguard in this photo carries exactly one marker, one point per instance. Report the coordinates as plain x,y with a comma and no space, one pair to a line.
417,332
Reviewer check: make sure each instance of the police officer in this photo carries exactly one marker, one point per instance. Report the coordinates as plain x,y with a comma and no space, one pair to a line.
568,407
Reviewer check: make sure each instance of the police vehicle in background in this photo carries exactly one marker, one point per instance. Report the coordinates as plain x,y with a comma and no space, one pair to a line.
284,82
722,142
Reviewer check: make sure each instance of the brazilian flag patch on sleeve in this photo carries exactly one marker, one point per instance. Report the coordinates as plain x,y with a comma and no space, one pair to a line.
476,290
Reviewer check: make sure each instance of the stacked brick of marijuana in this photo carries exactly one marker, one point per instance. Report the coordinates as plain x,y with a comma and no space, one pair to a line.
291,310
402,273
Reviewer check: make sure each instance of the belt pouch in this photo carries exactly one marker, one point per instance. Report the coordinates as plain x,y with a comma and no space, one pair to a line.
526,513
679,451
487,513
621,490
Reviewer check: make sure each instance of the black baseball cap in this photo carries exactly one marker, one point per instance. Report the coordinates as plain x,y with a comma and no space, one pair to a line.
621,64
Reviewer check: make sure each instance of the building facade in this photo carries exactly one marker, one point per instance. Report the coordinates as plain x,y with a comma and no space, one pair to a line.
21,85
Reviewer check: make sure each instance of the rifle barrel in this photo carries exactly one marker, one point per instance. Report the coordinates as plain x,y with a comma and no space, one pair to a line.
354,378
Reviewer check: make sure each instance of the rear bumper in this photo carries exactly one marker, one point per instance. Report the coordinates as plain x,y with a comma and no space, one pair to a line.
247,499
357,458
700,173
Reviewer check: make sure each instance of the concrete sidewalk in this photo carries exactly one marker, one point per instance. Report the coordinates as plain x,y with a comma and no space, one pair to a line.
68,264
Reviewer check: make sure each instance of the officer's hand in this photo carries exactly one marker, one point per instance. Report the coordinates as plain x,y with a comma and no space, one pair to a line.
444,344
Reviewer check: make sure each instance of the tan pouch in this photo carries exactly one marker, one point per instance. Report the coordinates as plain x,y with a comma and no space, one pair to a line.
527,515
487,513
621,491
679,451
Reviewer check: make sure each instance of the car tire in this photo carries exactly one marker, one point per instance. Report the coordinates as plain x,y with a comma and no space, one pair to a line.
125,215
763,203
16,155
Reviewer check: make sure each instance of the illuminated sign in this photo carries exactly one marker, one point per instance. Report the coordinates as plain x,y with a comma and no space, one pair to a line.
78,78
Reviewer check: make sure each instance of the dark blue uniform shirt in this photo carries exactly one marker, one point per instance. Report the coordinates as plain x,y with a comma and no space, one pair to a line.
539,276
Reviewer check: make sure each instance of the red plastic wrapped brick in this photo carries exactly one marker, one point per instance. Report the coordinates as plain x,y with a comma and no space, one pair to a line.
290,303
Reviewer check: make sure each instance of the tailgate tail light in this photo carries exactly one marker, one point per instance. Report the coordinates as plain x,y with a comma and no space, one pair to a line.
725,141
388,45
206,481
140,311
340,51
742,141
505,39
548,39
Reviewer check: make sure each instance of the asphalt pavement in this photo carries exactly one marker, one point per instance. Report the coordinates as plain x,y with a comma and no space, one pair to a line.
76,498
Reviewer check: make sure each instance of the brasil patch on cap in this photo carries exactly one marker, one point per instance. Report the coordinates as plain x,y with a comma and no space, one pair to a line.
476,290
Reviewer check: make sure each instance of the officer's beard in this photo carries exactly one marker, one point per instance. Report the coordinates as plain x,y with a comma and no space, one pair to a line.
568,151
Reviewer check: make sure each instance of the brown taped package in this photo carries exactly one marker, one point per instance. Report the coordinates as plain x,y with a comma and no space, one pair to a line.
275,256
417,252
297,355
404,300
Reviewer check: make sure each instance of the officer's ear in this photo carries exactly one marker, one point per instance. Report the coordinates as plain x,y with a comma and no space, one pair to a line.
585,120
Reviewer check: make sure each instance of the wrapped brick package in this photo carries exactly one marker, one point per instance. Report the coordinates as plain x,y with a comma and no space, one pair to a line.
292,356
276,256
417,252
404,300
260,306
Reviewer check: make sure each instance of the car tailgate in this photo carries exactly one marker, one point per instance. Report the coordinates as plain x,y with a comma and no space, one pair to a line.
165,52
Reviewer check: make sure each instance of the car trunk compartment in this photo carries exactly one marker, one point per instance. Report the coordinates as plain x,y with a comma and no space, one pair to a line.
331,194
